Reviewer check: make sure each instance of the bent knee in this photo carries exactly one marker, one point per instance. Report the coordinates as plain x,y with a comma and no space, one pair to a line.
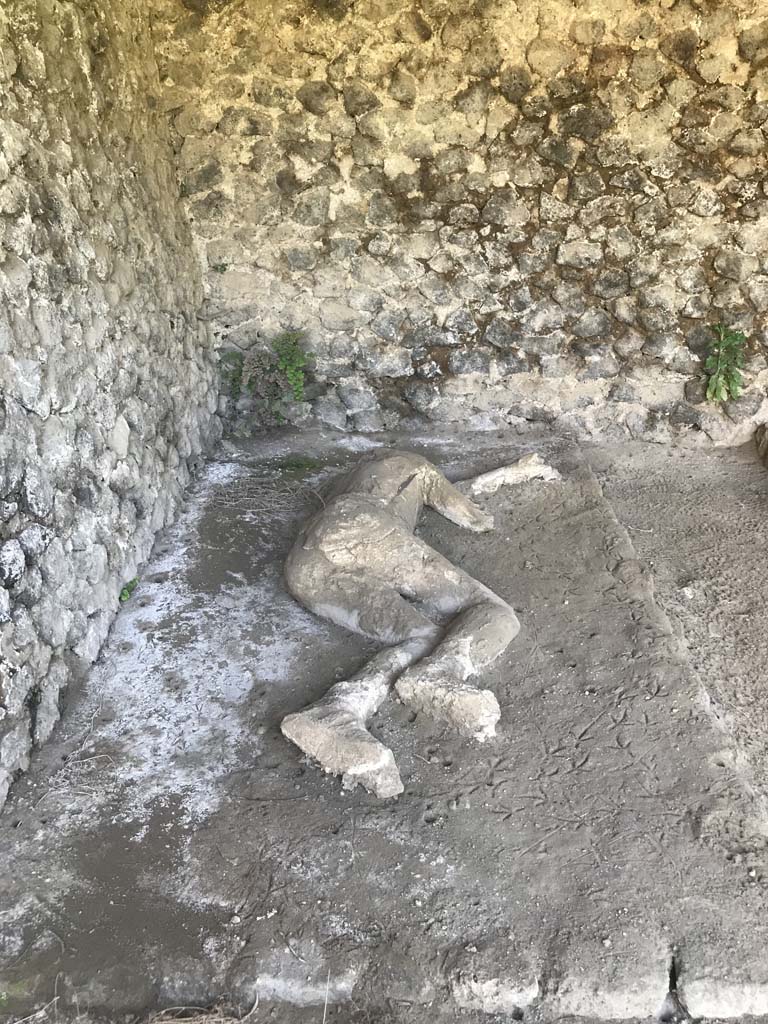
504,621
511,623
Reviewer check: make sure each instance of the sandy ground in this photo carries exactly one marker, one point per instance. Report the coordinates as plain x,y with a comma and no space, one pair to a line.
698,521
171,848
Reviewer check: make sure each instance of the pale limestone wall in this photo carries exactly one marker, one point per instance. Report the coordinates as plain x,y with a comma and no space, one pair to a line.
485,212
107,378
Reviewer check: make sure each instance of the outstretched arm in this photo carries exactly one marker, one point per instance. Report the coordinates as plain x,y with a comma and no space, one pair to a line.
445,498
454,502
530,467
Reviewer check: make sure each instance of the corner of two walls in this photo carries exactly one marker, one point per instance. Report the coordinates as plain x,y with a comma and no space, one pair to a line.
481,212
108,384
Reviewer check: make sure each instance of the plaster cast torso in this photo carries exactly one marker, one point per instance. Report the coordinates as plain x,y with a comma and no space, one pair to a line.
368,521
388,490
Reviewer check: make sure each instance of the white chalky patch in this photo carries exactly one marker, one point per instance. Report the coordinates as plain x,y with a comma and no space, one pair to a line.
178,672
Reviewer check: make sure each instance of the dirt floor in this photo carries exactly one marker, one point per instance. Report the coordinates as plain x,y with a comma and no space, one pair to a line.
697,519
170,848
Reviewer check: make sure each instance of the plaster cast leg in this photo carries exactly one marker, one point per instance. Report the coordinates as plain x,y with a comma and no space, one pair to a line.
452,503
333,731
483,627
438,686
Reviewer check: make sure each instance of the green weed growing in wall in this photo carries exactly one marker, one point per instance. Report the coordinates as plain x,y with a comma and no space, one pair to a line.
232,365
128,589
271,376
725,360
291,361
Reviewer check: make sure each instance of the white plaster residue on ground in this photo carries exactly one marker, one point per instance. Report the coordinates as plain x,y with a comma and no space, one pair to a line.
173,693
309,982
179,671
358,442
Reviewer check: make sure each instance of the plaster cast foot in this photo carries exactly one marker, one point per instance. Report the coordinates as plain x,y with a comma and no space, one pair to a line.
432,688
340,743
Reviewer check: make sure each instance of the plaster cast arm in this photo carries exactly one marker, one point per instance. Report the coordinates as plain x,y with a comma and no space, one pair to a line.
454,501
530,467
448,500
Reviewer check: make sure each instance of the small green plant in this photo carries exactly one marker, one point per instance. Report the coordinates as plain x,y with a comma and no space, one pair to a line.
291,360
272,376
725,359
128,589
232,363
275,376
219,268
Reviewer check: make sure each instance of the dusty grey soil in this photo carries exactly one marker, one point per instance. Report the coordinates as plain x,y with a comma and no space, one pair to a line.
170,847
698,520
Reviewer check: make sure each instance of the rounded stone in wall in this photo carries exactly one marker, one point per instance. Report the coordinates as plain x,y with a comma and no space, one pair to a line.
317,97
466,361
515,82
12,563
359,98
546,56
330,410
34,540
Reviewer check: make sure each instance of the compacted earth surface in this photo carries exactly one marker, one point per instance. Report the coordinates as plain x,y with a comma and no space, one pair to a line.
603,857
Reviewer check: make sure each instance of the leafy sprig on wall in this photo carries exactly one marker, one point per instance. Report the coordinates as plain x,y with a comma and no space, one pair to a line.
292,361
272,377
725,360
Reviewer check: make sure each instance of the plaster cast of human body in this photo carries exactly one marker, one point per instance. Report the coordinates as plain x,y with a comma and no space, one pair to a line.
358,564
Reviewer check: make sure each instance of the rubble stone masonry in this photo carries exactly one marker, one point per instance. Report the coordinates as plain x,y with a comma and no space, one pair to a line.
107,377
483,212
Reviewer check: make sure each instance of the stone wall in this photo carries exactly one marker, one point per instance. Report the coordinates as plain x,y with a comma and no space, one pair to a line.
107,378
486,212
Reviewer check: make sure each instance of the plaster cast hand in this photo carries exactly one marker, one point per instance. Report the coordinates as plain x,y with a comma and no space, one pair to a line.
482,522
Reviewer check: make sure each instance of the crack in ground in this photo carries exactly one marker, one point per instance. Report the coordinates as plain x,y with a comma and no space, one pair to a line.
673,1008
